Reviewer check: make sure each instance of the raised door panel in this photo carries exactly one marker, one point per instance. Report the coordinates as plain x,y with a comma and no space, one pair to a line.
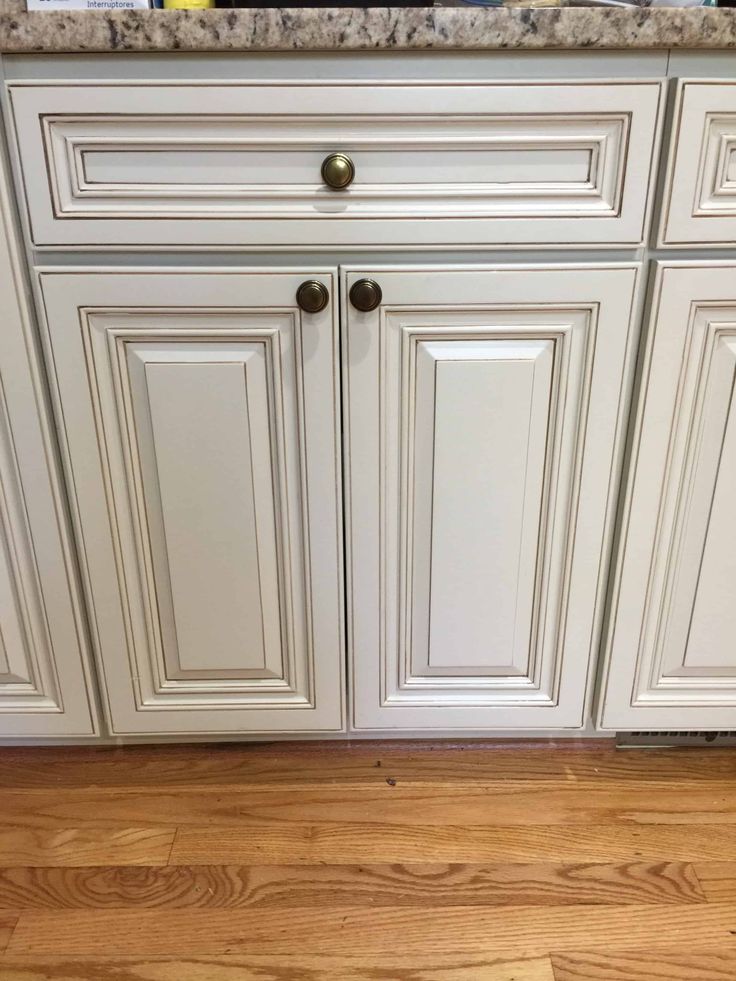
200,423
45,688
239,164
671,658
484,410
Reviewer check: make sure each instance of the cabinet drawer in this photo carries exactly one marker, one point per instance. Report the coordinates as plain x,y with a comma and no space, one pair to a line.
700,197
239,165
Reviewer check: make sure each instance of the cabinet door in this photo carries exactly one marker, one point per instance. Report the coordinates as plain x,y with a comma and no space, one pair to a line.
199,416
44,680
671,659
483,416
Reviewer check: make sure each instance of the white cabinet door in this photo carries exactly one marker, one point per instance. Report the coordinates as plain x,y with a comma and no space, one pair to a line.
44,681
199,416
671,659
484,411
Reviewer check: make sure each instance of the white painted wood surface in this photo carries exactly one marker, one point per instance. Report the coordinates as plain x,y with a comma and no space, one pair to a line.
483,408
699,206
671,654
230,165
484,411
45,689
199,416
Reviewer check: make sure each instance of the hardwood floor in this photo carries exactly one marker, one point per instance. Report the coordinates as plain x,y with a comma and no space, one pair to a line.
367,862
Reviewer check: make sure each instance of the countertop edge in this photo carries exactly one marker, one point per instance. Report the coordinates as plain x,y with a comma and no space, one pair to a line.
361,29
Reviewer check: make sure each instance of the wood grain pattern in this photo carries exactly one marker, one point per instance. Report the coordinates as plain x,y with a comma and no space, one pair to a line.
84,846
512,804
212,887
718,880
655,965
7,925
337,843
354,764
525,931
301,967
302,863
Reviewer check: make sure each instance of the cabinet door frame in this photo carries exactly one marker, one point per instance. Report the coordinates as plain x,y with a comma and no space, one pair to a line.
655,508
52,695
91,305
618,310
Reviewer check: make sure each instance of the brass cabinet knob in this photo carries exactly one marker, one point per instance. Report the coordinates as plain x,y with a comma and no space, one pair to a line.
312,296
365,295
338,171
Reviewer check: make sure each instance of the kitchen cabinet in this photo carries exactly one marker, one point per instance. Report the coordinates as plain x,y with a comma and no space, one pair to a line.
699,207
45,687
671,653
198,416
483,422
435,163
368,493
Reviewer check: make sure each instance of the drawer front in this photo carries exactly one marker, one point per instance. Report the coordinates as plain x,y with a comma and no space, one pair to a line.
700,198
239,165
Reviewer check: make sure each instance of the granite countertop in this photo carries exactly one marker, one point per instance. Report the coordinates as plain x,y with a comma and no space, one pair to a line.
394,28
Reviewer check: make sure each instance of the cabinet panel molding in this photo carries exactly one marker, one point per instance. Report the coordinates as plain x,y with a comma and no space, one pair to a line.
484,411
200,422
28,676
671,654
699,206
45,684
498,163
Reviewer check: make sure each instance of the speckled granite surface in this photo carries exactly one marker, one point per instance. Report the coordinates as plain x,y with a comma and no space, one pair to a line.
293,29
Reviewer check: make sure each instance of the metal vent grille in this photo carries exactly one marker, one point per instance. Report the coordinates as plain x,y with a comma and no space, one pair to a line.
642,740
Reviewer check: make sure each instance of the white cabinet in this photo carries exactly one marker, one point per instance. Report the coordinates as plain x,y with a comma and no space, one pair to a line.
484,408
484,416
671,660
699,206
199,416
44,684
239,164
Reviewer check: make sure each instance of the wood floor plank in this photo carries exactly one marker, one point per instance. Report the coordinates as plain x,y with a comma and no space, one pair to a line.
301,967
352,764
58,846
335,843
521,931
512,803
653,965
718,880
398,862
7,925
438,884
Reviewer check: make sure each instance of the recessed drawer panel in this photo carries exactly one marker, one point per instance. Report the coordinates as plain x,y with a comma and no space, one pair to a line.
700,199
240,164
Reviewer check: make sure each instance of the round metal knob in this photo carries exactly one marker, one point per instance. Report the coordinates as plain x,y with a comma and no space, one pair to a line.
338,171
312,296
365,295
